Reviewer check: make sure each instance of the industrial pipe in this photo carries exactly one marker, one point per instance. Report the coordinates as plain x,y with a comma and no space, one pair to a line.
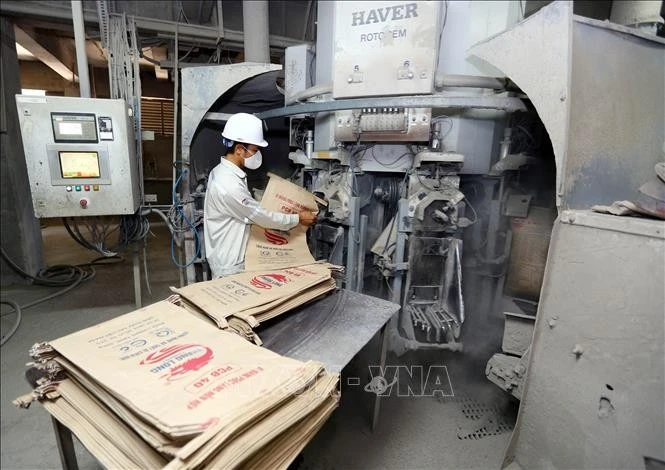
442,80
81,53
255,31
311,92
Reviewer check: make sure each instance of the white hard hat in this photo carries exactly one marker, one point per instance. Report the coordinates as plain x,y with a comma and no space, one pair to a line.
245,128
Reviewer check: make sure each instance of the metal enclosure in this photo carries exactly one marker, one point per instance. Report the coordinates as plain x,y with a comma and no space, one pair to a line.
594,389
594,392
299,69
80,155
386,48
599,88
201,88
324,137
475,134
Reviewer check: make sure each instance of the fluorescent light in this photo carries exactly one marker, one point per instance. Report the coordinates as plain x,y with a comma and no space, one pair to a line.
32,92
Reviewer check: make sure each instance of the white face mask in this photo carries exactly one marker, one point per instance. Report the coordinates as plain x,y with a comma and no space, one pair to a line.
253,162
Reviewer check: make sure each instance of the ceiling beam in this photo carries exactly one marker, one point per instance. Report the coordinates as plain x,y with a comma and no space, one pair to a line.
208,34
31,45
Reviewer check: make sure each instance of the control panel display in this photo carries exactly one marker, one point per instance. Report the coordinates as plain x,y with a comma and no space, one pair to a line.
79,164
74,127
80,154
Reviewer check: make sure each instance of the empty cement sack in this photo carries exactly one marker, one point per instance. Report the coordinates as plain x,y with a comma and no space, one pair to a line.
250,295
270,249
178,373
200,397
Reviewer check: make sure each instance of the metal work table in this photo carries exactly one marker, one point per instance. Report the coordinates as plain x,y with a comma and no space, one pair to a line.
331,330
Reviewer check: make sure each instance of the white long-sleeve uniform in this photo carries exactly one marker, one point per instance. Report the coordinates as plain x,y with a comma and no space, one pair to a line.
229,210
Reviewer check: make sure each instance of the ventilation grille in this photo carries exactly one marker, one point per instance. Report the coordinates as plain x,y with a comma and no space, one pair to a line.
157,115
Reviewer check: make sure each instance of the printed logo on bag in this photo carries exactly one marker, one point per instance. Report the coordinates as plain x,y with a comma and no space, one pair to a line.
268,281
178,360
276,238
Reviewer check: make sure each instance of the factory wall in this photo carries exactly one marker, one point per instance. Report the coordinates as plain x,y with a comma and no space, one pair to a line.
36,75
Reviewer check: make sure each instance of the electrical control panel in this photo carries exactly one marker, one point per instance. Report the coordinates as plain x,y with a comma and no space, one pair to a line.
385,48
80,155
383,124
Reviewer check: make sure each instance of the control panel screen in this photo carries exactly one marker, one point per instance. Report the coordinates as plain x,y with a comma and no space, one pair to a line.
74,127
79,164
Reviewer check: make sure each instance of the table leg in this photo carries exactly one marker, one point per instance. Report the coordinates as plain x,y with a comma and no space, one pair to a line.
63,437
382,365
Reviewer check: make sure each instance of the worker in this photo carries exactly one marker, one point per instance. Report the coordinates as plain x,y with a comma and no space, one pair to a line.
229,208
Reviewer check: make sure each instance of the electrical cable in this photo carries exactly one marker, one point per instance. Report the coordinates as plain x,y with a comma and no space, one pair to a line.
145,269
444,118
66,276
178,209
475,214
182,12
55,276
394,162
75,237
16,323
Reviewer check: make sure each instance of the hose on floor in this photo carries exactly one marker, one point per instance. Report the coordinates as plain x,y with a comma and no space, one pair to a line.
66,276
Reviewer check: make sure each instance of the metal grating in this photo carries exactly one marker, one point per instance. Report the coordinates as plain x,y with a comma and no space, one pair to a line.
488,419
157,115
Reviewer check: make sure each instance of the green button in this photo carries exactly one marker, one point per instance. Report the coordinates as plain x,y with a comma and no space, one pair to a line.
77,187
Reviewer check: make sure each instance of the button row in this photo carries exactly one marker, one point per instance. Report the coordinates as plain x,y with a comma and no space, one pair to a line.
86,187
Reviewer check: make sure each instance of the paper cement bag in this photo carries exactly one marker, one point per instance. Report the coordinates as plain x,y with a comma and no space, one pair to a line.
276,248
123,437
178,372
221,298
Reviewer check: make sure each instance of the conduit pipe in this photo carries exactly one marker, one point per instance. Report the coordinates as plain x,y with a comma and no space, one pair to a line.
311,92
81,53
255,31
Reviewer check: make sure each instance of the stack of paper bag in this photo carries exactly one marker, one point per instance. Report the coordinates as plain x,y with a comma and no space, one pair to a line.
255,297
160,388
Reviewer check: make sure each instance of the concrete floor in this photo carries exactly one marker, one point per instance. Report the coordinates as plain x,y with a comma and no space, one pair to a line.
469,430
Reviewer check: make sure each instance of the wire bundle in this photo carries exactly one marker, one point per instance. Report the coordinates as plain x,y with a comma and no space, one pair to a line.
181,224
522,140
132,228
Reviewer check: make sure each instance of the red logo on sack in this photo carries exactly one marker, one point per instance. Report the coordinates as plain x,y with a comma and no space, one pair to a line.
275,238
178,360
268,281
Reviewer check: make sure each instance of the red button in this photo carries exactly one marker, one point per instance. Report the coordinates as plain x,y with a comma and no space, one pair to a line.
86,187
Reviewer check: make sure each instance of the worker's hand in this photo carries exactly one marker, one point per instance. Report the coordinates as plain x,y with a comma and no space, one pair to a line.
307,218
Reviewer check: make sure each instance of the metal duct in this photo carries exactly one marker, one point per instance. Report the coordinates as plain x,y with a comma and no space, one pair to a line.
81,54
255,30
